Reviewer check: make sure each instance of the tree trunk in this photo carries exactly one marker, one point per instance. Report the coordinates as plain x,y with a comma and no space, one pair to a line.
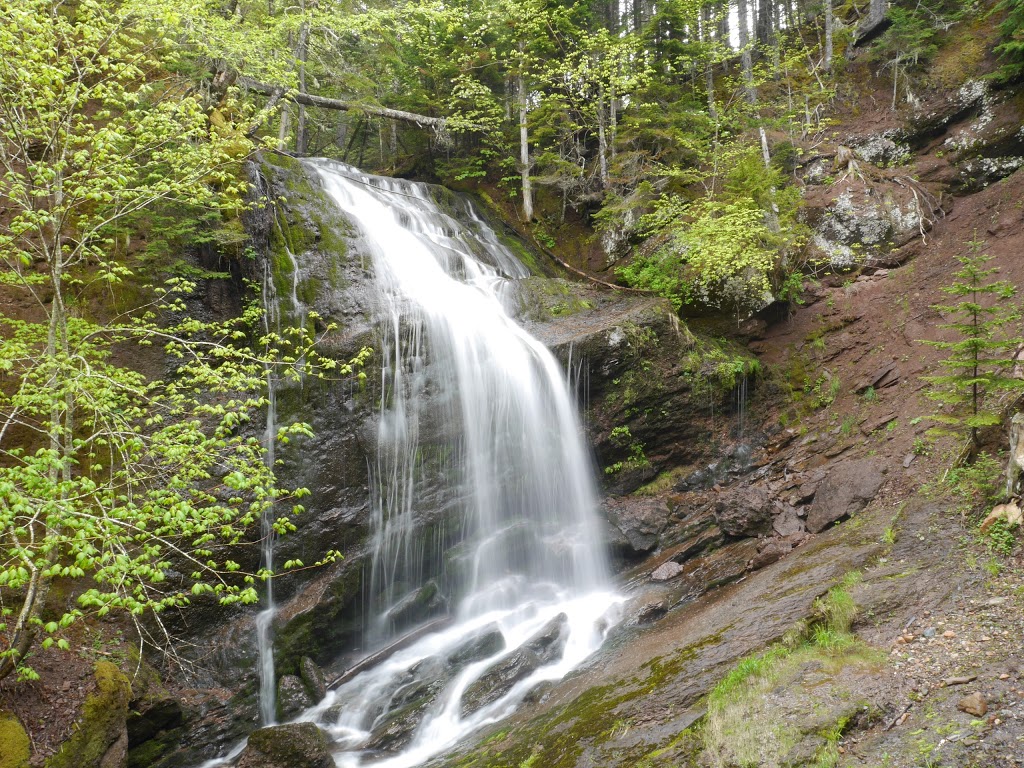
311,100
765,25
746,61
301,51
284,127
709,74
524,148
827,63
602,139
613,118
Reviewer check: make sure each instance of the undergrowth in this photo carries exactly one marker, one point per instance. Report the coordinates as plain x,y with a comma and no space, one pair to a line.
736,730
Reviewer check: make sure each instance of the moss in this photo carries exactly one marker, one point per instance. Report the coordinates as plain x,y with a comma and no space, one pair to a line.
147,753
14,742
663,482
104,714
309,221
558,739
716,366
322,631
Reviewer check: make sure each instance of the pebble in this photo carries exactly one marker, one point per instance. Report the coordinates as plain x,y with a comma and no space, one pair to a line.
1004,676
973,704
949,633
929,632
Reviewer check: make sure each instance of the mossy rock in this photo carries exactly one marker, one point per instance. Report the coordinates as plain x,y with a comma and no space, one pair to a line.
102,723
294,745
15,747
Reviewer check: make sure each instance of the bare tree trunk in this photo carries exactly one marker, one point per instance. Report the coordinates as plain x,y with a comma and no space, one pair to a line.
827,63
524,147
613,117
746,61
709,74
765,24
284,127
312,100
302,51
602,139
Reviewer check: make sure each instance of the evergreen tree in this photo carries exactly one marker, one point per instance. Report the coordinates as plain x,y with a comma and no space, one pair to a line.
980,358
1011,49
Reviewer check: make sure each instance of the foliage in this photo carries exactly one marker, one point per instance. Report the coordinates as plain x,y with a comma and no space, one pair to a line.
636,458
980,359
1000,538
978,484
128,484
724,251
1011,49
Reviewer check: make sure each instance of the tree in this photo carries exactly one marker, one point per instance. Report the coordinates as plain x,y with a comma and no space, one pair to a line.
981,357
829,31
1011,49
134,481
907,42
746,57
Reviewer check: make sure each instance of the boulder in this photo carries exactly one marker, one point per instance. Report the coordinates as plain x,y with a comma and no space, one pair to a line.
295,745
1009,512
788,522
744,512
772,550
101,737
292,696
313,677
650,612
845,491
487,642
666,571
640,521
426,602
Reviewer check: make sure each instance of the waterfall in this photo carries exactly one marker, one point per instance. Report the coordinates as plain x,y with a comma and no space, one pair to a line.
510,550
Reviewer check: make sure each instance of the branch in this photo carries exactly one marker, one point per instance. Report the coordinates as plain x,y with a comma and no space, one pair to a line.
320,101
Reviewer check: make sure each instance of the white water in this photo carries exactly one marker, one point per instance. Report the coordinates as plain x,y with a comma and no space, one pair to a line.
527,542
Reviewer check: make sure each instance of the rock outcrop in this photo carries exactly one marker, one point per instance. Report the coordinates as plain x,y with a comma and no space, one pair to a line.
844,492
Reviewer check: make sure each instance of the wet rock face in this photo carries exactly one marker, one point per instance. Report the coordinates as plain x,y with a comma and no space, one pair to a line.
295,745
487,643
845,491
542,649
421,686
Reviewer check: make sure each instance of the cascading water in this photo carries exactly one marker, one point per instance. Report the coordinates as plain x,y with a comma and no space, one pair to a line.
515,557
272,312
